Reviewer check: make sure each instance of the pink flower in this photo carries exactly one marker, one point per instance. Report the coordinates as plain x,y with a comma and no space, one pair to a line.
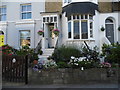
106,64
10,54
41,31
56,30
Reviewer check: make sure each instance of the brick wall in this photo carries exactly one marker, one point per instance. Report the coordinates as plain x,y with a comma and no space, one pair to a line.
53,6
108,7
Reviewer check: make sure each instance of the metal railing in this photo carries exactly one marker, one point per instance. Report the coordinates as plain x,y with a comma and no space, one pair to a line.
39,46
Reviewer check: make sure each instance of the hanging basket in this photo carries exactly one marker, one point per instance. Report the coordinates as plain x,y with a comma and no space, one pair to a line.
102,29
40,32
56,32
119,28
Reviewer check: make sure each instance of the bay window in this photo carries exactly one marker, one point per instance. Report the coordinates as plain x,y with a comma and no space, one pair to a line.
80,27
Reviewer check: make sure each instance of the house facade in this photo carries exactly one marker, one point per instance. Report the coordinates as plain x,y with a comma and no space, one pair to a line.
77,21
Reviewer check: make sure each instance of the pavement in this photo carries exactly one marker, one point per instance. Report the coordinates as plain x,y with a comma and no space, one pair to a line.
100,86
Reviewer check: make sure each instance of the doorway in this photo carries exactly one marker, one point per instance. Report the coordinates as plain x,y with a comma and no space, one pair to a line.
109,25
51,35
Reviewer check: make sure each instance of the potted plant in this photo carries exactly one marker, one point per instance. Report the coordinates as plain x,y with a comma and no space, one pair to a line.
56,32
35,58
102,28
40,32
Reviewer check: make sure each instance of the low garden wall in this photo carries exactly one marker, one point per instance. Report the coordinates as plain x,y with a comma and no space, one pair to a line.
72,76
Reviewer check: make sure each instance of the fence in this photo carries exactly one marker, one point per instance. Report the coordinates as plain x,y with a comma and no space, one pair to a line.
15,69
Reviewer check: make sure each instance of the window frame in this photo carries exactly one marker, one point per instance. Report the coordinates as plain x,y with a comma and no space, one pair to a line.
3,14
20,37
88,20
25,12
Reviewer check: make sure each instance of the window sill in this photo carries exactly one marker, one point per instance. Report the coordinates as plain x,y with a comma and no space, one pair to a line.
81,39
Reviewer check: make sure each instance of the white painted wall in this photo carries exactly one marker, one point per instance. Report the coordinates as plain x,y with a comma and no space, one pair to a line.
15,23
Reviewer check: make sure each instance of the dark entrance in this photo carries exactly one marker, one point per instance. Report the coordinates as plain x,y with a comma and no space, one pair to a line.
15,69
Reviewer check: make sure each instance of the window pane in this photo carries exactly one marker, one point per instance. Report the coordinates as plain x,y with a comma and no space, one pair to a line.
24,38
109,21
76,30
82,17
69,18
69,30
91,25
24,8
74,17
78,17
55,19
84,30
86,17
3,17
28,7
23,15
29,15
26,12
47,19
90,17
3,10
51,19
44,19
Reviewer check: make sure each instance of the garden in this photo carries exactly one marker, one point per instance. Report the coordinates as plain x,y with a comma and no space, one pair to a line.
68,64
70,57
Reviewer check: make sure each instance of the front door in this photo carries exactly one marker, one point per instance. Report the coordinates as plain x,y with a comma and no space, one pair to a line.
51,35
110,32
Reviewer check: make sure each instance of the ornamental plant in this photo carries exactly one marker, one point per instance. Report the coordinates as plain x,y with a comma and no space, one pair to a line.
40,32
56,32
6,50
119,28
102,28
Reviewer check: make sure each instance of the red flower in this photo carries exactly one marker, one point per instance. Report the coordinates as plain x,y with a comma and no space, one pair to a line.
10,54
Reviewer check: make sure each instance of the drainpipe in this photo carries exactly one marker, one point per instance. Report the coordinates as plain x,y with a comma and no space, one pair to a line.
34,31
6,33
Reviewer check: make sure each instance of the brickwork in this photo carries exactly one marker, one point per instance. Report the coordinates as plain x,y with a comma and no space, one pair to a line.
53,6
108,7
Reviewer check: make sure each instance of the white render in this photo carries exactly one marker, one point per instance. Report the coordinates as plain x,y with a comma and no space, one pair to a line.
14,24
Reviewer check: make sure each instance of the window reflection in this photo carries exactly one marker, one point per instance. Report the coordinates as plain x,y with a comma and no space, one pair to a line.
24,38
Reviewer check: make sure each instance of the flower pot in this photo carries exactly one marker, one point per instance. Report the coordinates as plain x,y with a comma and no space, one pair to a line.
35,62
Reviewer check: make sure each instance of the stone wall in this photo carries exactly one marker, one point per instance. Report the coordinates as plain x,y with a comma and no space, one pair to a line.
71,76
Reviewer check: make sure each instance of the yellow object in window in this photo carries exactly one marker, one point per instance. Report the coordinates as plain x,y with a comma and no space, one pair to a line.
1,40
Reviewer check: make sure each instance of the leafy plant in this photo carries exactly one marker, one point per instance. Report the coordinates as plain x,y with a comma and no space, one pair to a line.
111,52
7,50
64,53
25,50
62,64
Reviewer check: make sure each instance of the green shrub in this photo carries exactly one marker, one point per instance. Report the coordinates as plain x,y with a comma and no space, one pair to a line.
64,53
62,65
112,53
87,64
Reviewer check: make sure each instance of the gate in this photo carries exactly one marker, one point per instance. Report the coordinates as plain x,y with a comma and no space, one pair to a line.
15,69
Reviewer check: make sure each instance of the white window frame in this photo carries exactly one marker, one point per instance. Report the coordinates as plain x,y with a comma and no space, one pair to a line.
21,12
3,14
80,20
